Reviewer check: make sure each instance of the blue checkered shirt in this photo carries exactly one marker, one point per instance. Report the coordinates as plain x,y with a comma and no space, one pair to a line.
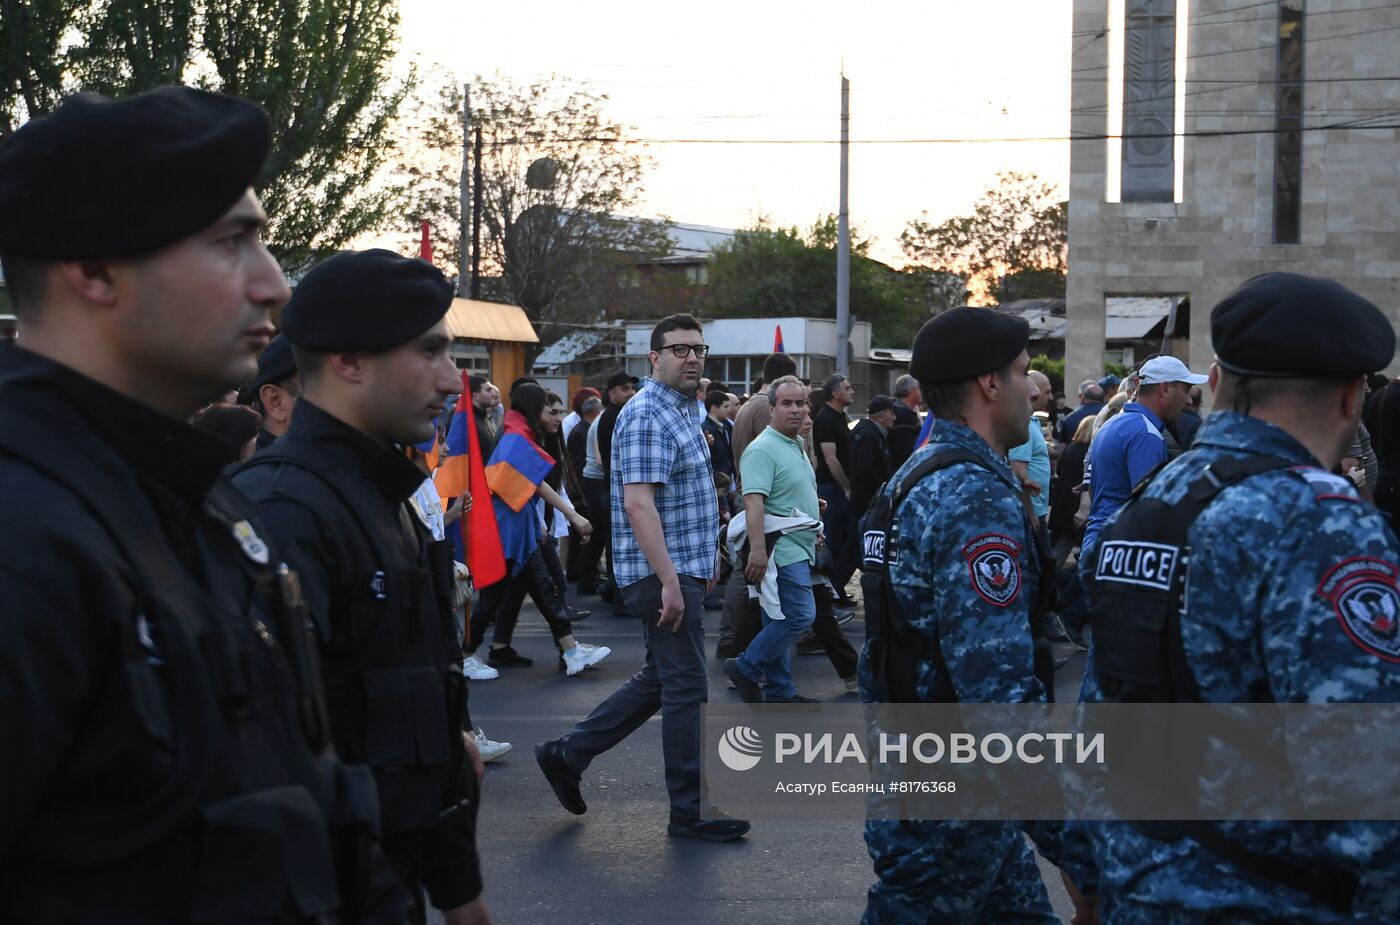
658,441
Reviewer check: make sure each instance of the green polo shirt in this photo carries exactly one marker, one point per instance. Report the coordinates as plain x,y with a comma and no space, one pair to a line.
778,468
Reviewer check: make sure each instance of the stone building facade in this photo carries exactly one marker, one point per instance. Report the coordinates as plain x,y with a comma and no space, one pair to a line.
1290,159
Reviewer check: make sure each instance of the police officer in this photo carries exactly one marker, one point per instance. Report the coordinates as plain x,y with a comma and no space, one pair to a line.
165,755
273,393
371,347
965,577
1284,551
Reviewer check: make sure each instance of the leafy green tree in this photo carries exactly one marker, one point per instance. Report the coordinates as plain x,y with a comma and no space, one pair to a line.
557,181
321,69
771,270
1014,245
31,59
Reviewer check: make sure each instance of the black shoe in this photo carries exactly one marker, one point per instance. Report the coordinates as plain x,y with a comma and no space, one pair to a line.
574,615
713,602
843,615
845,602
796,698
564,779
1061,662
715,830
810,645
749,690
507,657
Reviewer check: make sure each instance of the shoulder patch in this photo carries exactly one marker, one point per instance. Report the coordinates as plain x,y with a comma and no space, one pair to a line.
994,567
1325,485
1363,593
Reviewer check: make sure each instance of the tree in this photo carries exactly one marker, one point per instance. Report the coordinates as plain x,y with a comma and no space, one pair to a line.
557,180
1014,245
319,67
767,269
31,63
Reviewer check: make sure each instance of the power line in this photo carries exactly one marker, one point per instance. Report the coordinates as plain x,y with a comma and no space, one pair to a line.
1237,51
1222,133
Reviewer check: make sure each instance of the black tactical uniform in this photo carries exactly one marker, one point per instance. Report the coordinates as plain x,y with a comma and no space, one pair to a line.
377,585
375,582
157,692
163,753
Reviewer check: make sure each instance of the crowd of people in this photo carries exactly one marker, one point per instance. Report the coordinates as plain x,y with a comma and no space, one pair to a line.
239,642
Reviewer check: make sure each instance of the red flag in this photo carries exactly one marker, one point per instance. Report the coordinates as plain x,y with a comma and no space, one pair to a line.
463,469
778,339
425,250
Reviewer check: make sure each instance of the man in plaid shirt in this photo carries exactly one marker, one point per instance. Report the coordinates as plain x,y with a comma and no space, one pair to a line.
665,524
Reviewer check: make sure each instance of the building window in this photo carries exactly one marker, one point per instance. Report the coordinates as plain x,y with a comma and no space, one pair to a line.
697,274
473,359
1288,140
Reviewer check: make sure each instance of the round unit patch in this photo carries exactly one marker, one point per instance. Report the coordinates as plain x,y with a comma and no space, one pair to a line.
1364,594
996,572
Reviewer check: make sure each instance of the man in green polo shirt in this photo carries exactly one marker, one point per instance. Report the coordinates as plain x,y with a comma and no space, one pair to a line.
780,496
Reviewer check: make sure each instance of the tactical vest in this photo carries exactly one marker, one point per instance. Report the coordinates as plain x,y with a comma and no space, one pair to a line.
1137,600
894,650
393,675
242,800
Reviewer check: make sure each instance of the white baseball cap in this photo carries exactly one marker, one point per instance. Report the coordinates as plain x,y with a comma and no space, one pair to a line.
1167,369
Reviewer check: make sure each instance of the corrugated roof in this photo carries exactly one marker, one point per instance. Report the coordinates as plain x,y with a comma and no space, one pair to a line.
479,320
569,348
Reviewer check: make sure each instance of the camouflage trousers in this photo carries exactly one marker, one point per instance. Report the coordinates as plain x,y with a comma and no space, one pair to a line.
953,873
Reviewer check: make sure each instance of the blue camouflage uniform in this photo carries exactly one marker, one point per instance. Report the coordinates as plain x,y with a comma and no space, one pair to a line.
966,573
1265,622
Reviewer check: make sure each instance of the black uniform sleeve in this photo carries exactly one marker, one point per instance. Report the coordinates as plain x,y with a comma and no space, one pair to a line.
451,864
47,655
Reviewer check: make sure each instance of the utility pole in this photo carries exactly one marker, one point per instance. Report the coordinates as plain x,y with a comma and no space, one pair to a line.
476,219
843,240
463,216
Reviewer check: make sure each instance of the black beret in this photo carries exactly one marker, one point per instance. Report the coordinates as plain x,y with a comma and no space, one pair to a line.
365,300
963,343
275,363
1287,325
116,178
879,403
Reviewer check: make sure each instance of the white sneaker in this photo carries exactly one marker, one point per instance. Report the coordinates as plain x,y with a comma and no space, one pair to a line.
477,670
575,660
490,750
595,654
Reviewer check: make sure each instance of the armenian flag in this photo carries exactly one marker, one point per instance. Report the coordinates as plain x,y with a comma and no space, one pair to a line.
516,469
778,339
478,541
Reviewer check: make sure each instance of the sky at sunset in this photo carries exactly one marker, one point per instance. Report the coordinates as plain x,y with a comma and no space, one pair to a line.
771,71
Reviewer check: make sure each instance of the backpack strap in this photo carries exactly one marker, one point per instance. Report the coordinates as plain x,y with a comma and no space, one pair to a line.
940,460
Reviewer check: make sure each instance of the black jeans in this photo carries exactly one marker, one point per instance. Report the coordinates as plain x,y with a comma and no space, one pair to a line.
595,492
500,603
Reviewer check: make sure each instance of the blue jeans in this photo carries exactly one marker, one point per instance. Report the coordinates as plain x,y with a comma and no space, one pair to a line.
770,653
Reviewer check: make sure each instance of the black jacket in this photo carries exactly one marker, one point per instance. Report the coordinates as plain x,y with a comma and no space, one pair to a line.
164,755
870,465
721,453
379,591
904,434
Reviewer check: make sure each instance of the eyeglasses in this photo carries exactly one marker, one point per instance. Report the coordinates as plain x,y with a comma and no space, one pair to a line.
681,351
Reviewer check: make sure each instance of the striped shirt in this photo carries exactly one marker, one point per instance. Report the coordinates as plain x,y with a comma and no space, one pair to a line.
658,441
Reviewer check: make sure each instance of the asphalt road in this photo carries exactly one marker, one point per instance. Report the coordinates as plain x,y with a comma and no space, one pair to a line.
616,864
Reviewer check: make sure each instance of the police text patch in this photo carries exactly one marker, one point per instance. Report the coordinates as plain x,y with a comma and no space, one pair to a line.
1363,592
996,573
1148,565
